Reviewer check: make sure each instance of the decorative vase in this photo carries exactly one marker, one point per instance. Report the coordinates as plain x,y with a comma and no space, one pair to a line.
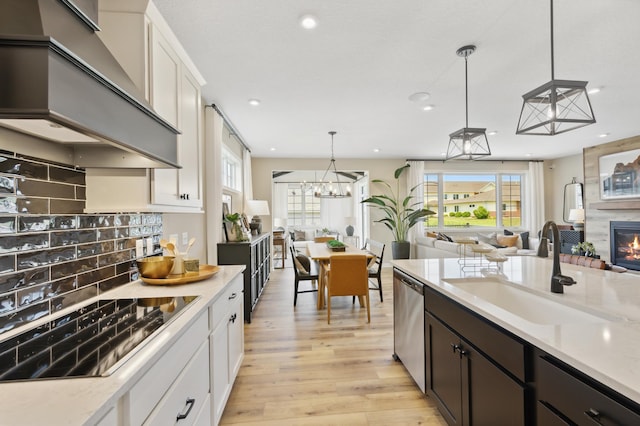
401,249
349,231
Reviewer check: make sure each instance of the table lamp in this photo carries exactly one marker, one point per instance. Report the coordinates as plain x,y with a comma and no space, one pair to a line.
255,209
577,217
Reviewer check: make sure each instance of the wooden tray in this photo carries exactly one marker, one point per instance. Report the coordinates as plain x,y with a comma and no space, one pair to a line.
206,271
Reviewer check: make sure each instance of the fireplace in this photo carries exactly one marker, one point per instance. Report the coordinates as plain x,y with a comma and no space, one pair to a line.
625,244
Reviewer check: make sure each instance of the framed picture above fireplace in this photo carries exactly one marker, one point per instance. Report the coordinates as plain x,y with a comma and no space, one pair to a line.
620,175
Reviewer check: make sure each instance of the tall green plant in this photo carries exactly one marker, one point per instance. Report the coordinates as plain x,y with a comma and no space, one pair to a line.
401,213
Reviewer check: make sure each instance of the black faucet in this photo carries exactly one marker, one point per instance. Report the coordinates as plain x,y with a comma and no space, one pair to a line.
557,279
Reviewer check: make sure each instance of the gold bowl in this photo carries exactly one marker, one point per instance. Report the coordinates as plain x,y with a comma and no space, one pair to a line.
155,266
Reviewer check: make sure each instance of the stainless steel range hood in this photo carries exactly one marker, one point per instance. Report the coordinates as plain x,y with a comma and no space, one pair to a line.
58,81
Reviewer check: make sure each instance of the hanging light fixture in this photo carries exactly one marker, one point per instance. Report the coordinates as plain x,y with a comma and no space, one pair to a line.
468,143
327,189
555,107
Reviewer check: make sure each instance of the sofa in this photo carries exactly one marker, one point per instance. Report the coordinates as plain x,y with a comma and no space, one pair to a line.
439,246
301,236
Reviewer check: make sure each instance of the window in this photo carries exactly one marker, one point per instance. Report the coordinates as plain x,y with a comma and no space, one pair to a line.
488,200
231,170
302,207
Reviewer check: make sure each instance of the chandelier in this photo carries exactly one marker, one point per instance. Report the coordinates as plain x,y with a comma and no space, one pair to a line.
555,107
468,143
328,189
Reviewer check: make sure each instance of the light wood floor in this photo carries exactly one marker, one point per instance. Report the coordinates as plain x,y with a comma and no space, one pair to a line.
298,370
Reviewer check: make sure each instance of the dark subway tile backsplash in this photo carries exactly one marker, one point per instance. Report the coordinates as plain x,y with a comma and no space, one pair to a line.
52,255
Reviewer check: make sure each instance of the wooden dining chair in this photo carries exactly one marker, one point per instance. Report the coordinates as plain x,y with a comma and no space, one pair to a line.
323,239
375,266
303,272
348,276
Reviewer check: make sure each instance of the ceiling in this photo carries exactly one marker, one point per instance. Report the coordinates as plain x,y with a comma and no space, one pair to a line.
355,71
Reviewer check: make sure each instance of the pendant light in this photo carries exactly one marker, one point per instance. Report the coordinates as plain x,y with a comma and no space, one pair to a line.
468,143
327,189
555,107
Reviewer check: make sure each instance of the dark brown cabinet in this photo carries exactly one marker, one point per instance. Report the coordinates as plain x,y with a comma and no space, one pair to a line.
468,385
255,255
566,396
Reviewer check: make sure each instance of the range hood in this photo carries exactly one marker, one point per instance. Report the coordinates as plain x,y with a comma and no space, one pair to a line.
58,81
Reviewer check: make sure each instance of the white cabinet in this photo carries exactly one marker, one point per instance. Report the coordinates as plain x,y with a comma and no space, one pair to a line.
141,40
183,187
227,345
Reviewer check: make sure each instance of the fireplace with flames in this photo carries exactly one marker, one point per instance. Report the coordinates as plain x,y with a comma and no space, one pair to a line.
625,244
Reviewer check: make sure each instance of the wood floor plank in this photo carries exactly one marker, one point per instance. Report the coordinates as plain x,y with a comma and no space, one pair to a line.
299,370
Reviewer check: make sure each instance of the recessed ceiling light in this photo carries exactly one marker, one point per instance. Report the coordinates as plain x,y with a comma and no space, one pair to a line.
528,154
427,107
308,22
376,149
594,90
493,132
272,149
443,153
419,97
254,102
603,135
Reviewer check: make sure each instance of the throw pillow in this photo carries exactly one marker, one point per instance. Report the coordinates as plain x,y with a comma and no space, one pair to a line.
507,240
524,238
432,234
489,239
444,237
303,263
299,235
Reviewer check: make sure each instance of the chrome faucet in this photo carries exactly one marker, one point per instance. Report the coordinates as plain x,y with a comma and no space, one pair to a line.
557,279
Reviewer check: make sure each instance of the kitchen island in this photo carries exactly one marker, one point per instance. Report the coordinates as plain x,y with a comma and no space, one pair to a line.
149,384
605,345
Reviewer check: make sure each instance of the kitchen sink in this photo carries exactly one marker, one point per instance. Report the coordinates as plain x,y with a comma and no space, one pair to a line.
528,304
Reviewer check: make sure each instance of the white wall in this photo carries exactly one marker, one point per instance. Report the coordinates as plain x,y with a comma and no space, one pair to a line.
558,173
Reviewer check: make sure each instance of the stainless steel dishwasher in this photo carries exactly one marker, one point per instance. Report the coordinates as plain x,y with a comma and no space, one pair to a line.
408,325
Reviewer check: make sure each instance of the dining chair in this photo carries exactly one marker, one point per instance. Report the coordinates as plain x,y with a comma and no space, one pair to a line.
323,239
374,268
348,276
304,269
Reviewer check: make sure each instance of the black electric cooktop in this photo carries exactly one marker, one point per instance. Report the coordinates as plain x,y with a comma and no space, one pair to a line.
89,341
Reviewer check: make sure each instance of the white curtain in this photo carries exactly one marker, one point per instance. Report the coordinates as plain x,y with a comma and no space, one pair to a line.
535,198
213,125
246,172
416,177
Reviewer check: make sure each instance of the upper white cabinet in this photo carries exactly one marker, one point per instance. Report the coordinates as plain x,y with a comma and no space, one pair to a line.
146,48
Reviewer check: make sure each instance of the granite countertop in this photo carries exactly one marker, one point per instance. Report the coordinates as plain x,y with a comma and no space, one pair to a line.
85,400
607,350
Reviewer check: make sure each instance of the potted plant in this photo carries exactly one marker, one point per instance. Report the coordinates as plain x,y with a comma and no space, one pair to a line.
584,248
234,232
400,213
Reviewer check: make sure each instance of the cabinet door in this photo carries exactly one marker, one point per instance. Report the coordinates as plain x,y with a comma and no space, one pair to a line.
444,374
489,396
236,336
183,187
220,367
165,70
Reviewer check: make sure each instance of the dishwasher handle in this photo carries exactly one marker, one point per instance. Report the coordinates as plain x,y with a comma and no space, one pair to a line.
415,286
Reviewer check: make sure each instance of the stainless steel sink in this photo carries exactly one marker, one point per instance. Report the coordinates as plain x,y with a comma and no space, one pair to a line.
527,304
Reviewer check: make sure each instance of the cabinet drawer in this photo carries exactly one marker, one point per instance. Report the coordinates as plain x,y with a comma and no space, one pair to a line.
187,395
221,307
578,400
143,397
504,349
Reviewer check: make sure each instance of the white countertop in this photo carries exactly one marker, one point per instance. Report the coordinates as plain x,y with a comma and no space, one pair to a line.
608,351
86,400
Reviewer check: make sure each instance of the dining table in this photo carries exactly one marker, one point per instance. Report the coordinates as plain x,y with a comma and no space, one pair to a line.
322,254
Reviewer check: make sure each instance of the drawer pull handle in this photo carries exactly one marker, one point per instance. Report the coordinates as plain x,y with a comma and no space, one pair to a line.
233,318
594,415
189,405
233,296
